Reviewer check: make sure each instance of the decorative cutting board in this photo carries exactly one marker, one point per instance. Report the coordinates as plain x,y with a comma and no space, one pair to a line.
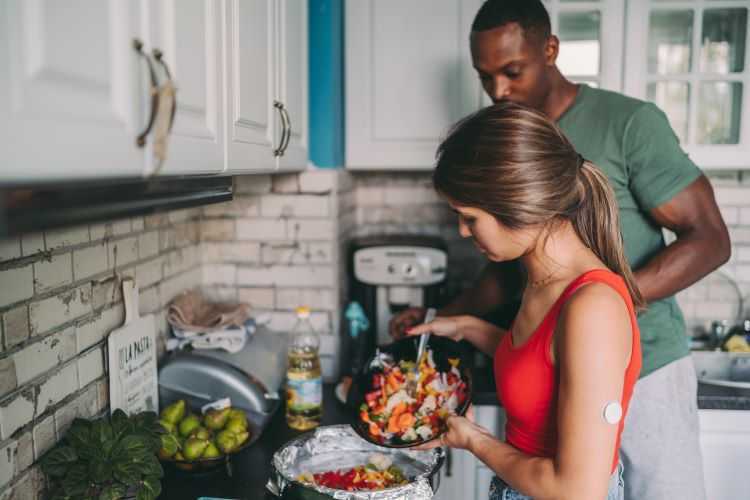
132,358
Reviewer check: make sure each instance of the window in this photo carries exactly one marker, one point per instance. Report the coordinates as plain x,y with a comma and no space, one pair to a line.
690,58
590,34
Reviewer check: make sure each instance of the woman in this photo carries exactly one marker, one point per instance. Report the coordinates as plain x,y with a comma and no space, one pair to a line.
565,370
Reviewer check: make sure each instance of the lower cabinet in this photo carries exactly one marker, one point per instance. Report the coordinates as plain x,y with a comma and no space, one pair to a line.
725,445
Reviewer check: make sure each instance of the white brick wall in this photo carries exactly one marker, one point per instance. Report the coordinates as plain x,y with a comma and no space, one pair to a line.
59,298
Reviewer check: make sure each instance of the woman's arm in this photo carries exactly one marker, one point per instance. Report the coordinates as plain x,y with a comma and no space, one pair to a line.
481,334
593,349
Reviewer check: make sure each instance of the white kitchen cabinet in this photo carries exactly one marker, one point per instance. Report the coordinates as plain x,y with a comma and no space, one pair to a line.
691,59
725,445
189,33
266,85
70,101
408,79
409,74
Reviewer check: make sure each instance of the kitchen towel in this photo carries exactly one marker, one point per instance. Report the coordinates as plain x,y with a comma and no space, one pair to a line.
191,311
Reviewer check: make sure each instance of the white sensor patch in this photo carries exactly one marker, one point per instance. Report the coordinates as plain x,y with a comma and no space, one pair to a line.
612,412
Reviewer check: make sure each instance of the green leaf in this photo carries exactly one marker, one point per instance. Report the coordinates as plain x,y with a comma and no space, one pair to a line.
153,485
150,466
144,494
79,433
76,481
100,471
132,446
101,430
113,492
57,461
128,473
121,425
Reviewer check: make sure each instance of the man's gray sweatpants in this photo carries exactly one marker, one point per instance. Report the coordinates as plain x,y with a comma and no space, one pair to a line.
660,449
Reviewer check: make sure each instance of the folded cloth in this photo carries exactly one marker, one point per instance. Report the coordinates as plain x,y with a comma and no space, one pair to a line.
192,312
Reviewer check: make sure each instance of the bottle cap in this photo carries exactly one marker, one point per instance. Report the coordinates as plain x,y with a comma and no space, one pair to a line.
303,312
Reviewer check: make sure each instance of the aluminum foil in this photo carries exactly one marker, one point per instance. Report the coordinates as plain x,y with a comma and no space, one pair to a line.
339,447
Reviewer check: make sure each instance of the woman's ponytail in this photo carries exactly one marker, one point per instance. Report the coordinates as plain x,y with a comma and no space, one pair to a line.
597,223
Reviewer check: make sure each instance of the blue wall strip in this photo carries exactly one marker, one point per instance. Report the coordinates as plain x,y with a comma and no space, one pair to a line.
326,82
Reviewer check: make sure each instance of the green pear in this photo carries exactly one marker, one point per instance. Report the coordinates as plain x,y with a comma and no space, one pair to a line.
216,419
211,451
242,437
194,448
237,413
236,425
179,456
188,424
226,441
169,446
174,412
168,426
200,433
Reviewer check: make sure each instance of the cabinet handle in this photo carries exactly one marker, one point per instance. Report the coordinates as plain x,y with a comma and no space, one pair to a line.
448,462
286,130
158,55
140,140
284,112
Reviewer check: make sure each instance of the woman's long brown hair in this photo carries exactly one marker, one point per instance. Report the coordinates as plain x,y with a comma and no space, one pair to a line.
514,163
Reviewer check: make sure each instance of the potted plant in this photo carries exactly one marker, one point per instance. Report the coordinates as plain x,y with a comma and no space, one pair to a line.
107,459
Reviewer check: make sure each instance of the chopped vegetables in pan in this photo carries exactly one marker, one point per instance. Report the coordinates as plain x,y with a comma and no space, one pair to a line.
378,474
391,410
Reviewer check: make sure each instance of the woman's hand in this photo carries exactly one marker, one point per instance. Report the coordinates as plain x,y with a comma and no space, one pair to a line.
460,432
442,326
404,320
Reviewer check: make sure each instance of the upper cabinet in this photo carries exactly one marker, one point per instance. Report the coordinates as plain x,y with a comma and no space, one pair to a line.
690,58
409,74
92,89
409,77
70,90
189,34
266,56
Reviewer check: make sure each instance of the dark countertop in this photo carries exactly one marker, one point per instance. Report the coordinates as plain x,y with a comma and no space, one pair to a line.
250,468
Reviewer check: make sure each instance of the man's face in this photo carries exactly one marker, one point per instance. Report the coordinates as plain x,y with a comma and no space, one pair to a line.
512,66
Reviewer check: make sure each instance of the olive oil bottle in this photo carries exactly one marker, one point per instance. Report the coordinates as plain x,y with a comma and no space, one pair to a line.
304,383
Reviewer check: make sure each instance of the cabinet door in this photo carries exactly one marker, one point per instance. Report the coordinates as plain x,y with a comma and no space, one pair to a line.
725,445
251,84
190,33
69,90
292,88
408,79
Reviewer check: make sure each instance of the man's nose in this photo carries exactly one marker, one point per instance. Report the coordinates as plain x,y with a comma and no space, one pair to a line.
500,89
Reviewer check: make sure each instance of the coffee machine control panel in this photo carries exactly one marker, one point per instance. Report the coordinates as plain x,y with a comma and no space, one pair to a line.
400,265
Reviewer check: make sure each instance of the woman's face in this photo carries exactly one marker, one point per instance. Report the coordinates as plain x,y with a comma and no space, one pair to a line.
493,239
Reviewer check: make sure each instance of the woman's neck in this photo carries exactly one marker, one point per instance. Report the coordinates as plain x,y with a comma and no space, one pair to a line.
559,255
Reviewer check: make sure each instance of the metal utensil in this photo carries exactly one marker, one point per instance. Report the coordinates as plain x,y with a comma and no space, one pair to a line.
423,339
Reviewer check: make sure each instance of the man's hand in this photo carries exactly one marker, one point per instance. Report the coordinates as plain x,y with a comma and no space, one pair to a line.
405,319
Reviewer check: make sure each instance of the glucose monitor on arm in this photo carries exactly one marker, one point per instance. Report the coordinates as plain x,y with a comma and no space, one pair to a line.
612,412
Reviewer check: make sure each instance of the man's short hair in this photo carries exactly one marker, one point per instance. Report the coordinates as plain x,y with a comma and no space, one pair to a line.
529,14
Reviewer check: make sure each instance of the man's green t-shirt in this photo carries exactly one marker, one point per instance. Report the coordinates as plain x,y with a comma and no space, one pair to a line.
633,143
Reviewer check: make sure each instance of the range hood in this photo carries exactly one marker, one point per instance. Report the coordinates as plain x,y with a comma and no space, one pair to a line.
37,207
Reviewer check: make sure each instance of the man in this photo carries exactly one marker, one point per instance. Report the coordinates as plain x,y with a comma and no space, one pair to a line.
657,186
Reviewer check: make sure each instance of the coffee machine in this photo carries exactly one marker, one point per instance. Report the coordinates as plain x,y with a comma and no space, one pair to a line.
393,272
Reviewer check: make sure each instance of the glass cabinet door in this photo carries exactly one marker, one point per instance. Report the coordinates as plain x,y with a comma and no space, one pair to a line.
690,58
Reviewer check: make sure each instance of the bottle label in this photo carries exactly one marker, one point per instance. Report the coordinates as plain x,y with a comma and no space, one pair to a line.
304,395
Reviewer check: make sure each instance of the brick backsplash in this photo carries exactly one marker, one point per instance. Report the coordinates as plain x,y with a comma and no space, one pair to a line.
282,242
59,298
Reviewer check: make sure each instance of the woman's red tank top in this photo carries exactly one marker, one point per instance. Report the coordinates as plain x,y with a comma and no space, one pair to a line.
527,380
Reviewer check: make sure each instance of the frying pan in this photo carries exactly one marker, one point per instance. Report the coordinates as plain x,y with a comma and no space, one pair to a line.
406,349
